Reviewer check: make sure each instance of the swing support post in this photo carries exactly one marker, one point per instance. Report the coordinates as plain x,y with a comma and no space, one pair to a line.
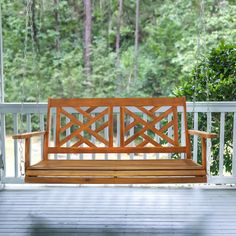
1,59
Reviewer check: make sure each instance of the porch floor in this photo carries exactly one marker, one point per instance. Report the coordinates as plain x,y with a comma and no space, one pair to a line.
117,211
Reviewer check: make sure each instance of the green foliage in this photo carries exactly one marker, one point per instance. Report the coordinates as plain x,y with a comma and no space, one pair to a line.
217,72
218,25
104,73
35,69
214,79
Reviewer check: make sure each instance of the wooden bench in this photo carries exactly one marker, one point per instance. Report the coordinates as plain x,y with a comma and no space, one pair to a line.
145,125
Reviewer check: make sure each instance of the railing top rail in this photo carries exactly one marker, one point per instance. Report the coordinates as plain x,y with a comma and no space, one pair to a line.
41,107
226,106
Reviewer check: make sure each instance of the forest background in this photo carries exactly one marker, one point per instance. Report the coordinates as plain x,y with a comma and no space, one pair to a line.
108,48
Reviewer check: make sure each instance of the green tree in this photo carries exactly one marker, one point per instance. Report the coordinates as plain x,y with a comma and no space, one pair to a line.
43,46
214,79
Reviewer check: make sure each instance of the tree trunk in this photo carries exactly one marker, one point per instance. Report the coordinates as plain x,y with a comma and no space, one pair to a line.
34,26
136,46
87,36
57,25
109,23
118,33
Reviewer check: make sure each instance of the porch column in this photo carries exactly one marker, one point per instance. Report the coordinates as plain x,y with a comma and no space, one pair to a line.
1,59
2,116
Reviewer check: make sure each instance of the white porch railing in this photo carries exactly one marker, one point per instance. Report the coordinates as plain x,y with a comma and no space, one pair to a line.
35,114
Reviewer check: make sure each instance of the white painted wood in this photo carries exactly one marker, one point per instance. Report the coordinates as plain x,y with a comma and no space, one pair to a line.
2,144
212,106
136,211
131,133
209,120
234,147
16,158
221,179
54,131
29,129
118,156
93,139
199,107
81,119
1,61
68,156
157,138
222,137
13,180
195,138
183,135
145,117
42,128
28,122
106,134
170,132
41,121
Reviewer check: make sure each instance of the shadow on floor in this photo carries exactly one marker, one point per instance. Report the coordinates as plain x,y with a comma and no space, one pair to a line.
41,226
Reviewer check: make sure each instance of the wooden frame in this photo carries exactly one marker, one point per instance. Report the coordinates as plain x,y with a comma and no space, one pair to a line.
27,137
204,136
48,171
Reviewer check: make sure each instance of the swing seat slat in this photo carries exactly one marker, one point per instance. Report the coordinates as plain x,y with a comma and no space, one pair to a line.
147,125
153,170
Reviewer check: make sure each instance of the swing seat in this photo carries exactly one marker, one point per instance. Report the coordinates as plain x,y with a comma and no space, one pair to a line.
86,126
117,171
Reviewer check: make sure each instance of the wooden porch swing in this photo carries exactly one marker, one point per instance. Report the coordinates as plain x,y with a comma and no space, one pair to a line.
149,135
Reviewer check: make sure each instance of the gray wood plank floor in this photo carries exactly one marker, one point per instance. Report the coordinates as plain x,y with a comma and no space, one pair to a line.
117,211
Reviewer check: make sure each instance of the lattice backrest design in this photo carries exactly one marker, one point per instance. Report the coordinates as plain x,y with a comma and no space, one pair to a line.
155,126
82,127
116,125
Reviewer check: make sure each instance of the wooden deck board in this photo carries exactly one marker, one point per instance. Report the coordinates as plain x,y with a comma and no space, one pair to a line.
117,211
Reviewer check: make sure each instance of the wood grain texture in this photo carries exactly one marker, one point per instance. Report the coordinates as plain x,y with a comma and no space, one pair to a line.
73,102
160,164
204,153
131,180
95,149
112,173
28,135
135,171
202,134
99,129
27,153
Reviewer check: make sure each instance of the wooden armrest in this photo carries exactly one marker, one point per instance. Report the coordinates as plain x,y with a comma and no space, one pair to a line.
202,134
28,135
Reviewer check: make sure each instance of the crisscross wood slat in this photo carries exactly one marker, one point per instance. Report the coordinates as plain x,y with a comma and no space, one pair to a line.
99,111
82,127
150,126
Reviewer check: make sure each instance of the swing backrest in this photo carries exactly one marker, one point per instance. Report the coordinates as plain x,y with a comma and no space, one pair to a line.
117,125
